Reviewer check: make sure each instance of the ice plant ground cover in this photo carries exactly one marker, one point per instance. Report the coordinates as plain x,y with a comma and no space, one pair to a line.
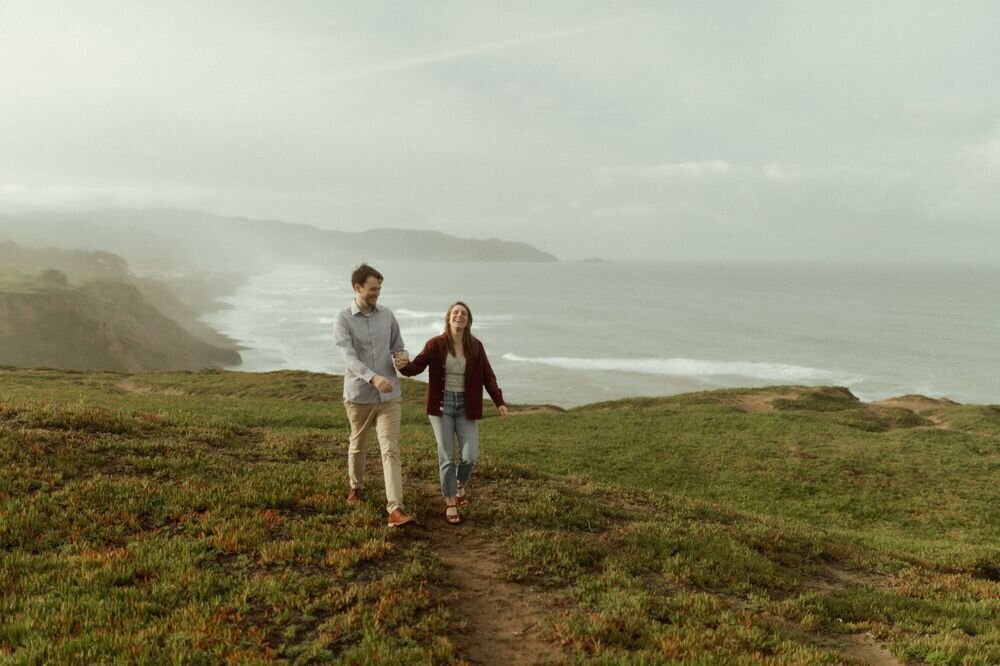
200,517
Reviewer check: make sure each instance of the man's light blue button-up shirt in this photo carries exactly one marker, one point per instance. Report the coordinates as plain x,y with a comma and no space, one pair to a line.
367,343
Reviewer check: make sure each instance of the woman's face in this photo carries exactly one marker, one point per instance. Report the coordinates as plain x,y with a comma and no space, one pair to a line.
458,318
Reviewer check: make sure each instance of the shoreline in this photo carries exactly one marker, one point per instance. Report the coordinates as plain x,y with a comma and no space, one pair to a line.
879,333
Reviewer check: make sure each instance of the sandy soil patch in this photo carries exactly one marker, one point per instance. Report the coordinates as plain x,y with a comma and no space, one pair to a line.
763,400
921,405
129,386
916,403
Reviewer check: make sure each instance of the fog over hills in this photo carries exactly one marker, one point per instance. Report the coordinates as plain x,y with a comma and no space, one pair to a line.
170,239
126,290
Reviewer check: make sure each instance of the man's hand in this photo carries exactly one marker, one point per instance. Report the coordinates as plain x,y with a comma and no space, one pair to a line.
401,359
382,384
503,411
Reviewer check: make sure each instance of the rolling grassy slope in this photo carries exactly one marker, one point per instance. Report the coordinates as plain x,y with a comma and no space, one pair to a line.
199,517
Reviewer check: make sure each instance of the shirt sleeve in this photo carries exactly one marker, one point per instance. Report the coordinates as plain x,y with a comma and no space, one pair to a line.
345,340
395,337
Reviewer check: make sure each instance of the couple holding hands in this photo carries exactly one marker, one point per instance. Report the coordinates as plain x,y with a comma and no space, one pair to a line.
370,341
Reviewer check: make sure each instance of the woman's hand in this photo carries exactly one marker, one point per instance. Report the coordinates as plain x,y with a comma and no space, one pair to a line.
503,411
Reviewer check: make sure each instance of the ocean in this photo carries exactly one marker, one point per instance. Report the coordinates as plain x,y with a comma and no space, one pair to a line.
574,333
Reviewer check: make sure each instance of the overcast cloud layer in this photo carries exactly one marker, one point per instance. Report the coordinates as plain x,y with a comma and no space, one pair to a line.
713,130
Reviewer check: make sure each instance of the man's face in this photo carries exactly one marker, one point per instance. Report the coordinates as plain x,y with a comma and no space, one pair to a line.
368,292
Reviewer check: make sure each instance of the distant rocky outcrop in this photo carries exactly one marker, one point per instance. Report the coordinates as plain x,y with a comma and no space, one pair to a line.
104,325
412,245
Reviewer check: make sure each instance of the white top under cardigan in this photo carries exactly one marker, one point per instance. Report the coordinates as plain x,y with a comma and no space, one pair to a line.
454,374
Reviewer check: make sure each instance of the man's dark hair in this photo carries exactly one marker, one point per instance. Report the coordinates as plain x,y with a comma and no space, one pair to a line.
362,273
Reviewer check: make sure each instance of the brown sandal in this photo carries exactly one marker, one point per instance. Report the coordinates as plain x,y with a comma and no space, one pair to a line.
451,514
461,499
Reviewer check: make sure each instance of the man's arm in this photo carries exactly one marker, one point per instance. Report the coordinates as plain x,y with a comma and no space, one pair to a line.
352,364
395,337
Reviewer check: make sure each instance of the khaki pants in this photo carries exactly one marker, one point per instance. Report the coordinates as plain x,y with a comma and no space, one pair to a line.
385,416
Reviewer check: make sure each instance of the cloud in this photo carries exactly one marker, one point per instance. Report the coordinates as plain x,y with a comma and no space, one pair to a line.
691,169
782,173
429,59
984,157
767,130
950,117
18,198
625,210
688,171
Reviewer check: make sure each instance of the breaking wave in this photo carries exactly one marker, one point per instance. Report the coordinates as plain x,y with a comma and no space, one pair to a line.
689,367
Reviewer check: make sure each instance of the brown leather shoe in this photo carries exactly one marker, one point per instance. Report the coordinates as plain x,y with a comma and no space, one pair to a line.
397,519
355,496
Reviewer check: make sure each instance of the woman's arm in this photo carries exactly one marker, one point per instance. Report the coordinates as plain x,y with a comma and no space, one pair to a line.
417,365
490,379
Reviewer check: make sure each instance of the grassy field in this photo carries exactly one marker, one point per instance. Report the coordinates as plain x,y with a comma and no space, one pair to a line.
26,280
199,518
19,282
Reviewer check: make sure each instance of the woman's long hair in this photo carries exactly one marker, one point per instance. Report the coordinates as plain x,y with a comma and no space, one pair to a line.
469,343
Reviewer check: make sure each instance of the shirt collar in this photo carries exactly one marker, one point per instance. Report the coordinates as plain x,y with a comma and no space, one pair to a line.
355,310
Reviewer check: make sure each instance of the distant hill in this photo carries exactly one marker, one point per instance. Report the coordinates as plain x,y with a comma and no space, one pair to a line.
176,238
100,325
418,245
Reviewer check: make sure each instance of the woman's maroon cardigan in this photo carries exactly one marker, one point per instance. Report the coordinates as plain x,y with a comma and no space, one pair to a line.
478,374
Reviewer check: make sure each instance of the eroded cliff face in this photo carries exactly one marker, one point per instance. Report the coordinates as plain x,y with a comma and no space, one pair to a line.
103,325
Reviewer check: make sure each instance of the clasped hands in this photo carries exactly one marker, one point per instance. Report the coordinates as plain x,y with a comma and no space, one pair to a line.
399,359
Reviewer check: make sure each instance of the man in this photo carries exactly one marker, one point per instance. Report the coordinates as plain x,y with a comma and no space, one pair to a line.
368,337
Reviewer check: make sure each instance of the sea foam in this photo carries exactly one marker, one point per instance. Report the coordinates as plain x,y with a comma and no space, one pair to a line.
690,367
405,313
417,314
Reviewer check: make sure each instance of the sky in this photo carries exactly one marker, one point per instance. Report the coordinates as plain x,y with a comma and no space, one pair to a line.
651,131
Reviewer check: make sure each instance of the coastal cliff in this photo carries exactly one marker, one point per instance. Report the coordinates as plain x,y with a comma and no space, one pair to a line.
102,325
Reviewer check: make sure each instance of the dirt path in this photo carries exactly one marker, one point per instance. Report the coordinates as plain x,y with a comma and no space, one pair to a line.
502,622
864,648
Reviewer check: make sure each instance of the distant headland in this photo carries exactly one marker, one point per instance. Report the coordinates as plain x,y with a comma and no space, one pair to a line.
170,239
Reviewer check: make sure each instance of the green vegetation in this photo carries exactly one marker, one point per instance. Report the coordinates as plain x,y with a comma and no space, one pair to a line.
19,280
34,269
199,517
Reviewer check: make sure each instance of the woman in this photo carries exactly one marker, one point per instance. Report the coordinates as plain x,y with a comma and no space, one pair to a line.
459,369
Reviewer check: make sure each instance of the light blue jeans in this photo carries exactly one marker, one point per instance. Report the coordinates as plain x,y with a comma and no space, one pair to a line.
452,422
